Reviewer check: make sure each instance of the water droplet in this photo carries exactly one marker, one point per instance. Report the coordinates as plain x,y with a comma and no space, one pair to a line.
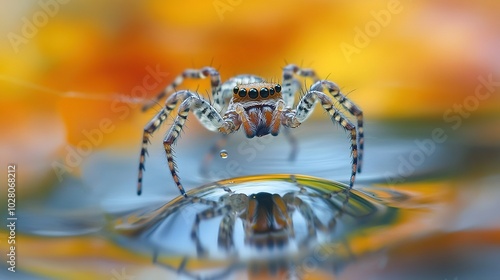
223,154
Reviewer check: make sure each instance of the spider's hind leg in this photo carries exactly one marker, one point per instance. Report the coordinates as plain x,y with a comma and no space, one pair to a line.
152,126
304,109
215,83
352,108
291,85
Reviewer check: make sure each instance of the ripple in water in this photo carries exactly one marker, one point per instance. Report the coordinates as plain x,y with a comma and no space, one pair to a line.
273,224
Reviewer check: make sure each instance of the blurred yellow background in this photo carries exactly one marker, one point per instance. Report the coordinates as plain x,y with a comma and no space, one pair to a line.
64,63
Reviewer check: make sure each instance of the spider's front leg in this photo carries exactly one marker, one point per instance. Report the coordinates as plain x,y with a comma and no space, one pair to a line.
291,85
209,118
294,118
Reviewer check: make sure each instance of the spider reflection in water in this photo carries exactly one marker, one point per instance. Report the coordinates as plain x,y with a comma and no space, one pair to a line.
267,219
267,223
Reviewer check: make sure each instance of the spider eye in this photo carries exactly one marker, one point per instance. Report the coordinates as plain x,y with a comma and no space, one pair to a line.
253,93
264,92
242,92
235,90
277,88
271,91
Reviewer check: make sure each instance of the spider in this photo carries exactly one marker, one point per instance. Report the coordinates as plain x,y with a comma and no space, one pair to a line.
260,107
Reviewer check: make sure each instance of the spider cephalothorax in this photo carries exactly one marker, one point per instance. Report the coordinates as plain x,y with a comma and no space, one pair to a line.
260,107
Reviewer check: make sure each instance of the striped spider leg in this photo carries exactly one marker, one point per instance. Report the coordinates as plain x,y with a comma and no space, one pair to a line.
170,104
204,111
291,86
304,108
215,83
306,105
221,93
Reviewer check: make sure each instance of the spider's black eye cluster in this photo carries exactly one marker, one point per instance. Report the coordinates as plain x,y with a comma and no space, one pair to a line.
254,93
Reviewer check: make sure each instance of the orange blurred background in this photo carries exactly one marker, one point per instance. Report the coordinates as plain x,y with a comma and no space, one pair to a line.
396,59
65,63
